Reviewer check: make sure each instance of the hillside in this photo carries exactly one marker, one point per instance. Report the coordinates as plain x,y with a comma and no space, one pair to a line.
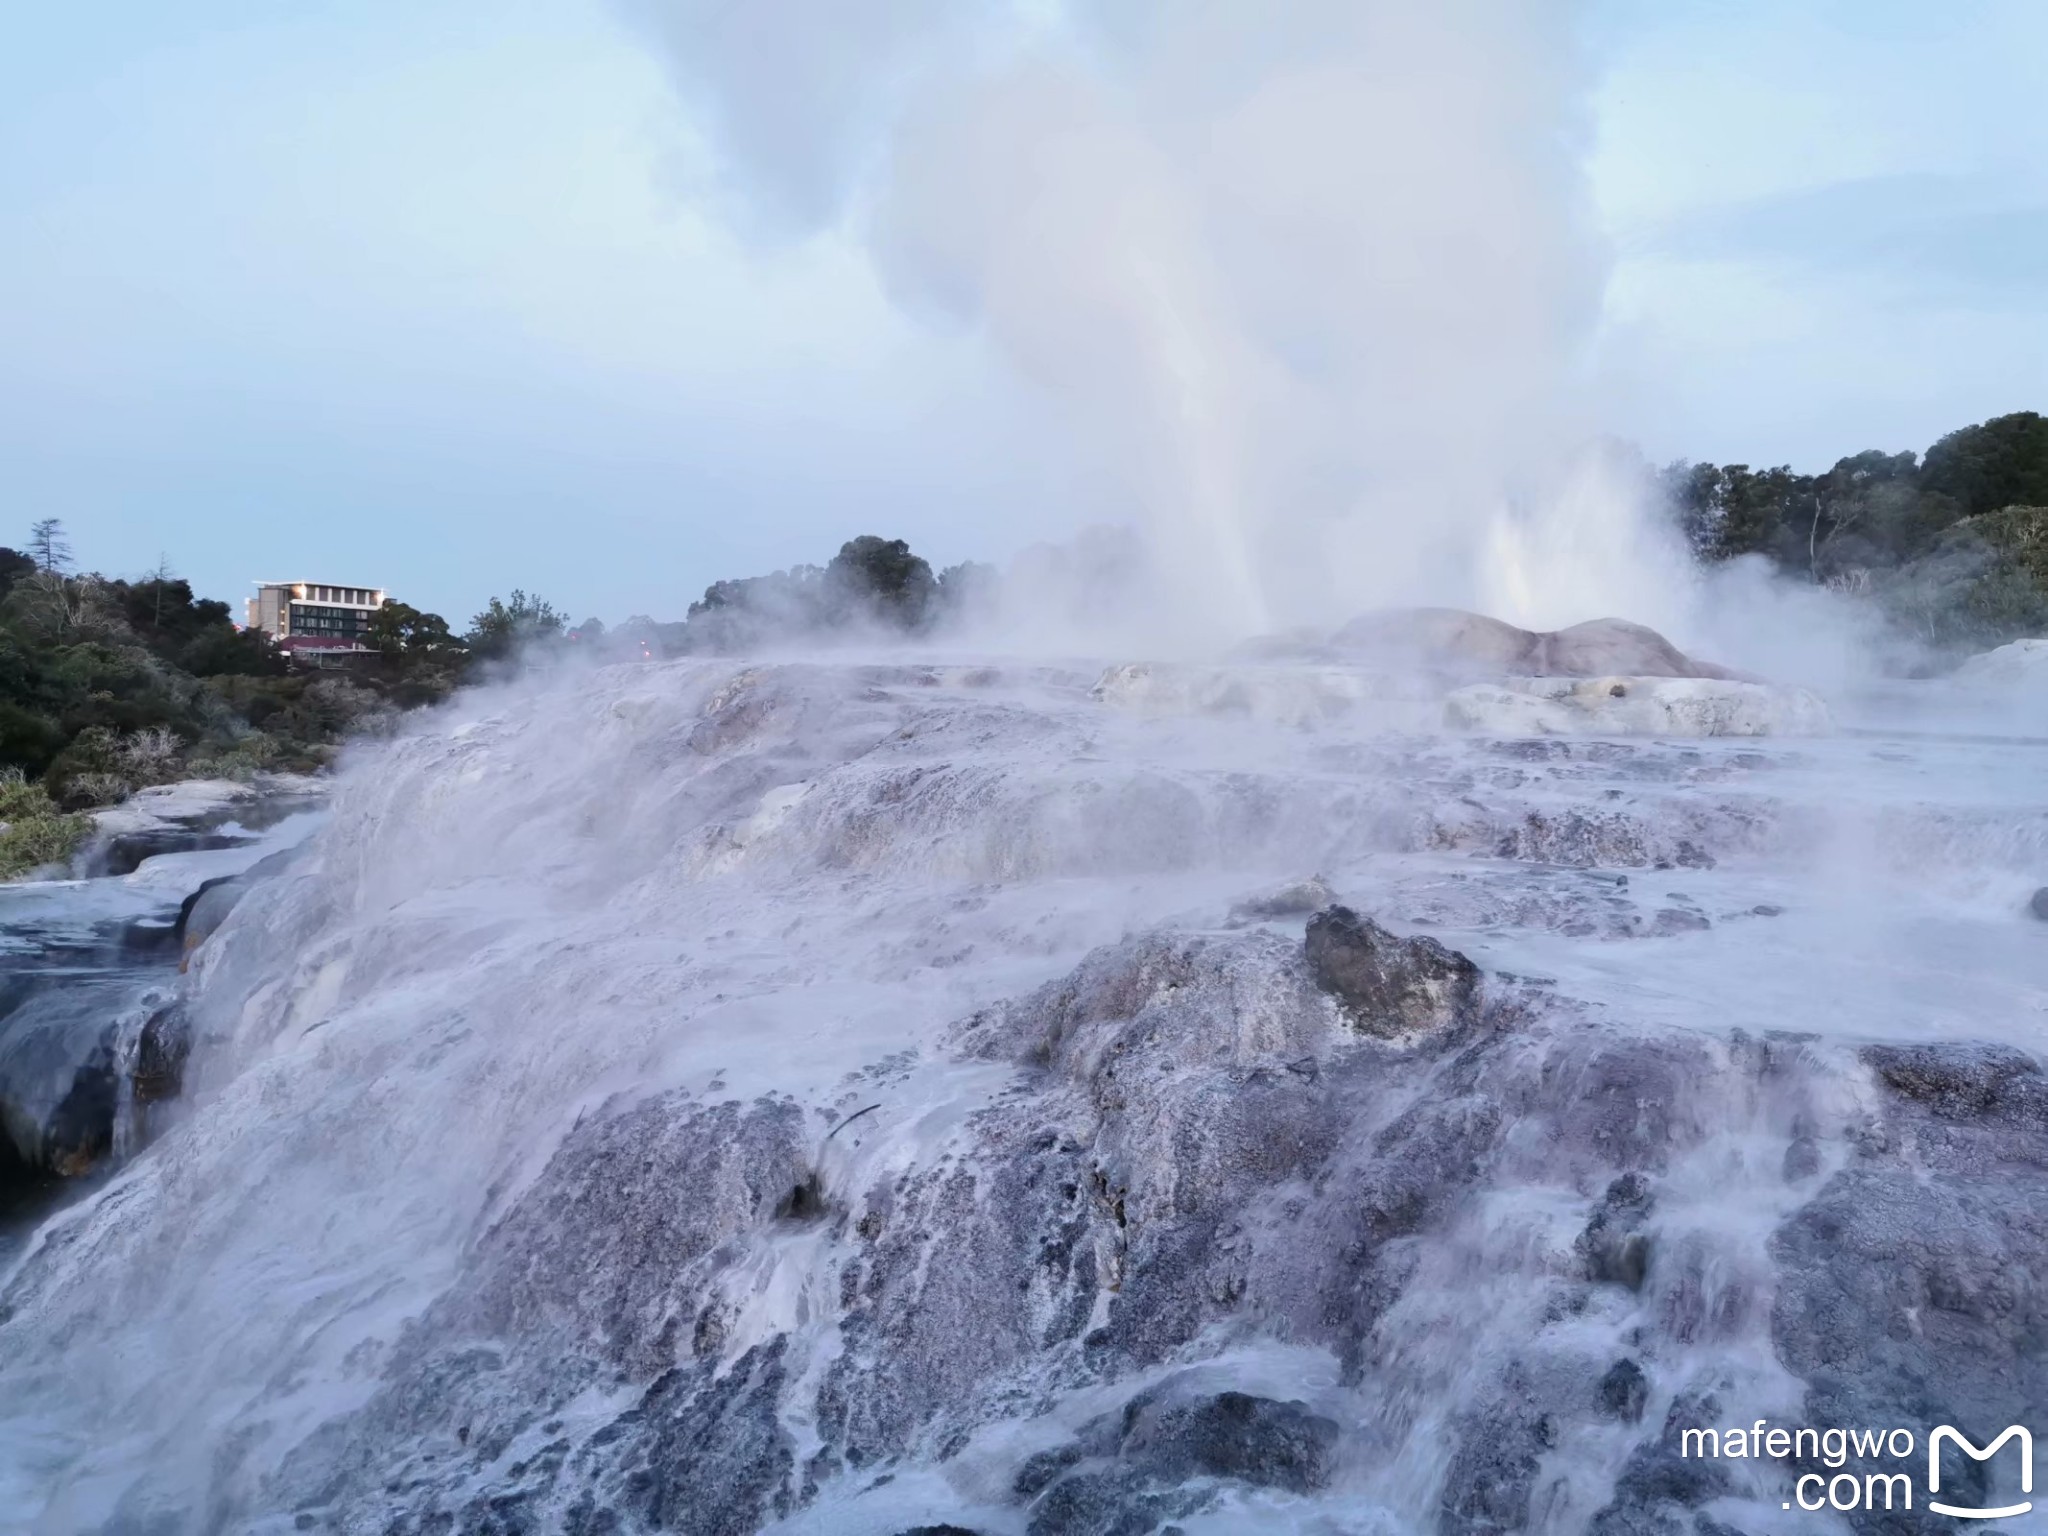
108,686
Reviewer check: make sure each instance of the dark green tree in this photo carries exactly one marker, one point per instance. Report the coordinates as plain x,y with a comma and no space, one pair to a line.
406,634
881,580
508,625
1999,463
14,565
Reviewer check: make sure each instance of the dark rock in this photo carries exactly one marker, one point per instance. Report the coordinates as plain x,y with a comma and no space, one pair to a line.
1624,1391
1040,1472
1802,1159
1615,1252
1493,1470
1256,1440
1954,1254
1389,986
939,1530
81,1130
160,1054
59,1085
1123,1474
717,1461
2038,904
1296,900
1105,1503
146,937
202,912
1658,1484
1972,1082
1670,920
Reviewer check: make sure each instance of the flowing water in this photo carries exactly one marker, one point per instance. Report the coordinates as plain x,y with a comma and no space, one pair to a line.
848,1096
84,964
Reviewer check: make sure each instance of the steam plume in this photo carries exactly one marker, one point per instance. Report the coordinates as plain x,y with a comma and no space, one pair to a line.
1314,277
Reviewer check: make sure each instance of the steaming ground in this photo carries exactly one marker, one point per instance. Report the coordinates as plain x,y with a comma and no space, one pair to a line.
839,1097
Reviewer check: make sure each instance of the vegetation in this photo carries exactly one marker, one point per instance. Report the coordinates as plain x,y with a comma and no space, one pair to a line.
505,628
33,831
108,686
1953,545
872,586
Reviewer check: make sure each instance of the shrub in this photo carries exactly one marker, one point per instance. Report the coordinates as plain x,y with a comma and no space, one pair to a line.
33,831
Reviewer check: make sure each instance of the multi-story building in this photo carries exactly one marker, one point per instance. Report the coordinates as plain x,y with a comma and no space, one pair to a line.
315,620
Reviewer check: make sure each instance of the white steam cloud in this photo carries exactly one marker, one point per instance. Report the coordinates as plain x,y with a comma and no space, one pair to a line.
1314,277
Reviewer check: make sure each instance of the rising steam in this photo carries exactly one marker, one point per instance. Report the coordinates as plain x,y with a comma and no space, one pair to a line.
1314,279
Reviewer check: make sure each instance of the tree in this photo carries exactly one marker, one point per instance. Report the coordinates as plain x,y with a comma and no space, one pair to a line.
1734,510
1867,511
159,578
505,626
222,650
880,579
14,565
410,638
2002,462
420,656
49,546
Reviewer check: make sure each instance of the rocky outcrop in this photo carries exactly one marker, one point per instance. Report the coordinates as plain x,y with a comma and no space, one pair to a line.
202,912
1389,986
194,814
1297,898
90,1031
1129,1471
59,1070
1907,1290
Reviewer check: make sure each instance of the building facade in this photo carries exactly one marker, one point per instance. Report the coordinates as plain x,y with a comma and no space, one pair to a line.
315,620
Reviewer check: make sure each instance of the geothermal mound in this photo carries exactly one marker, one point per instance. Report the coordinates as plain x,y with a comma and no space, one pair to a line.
1450,639
1606,677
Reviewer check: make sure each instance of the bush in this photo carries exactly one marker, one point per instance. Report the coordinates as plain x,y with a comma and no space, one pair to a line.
33,831
1985,582
242,758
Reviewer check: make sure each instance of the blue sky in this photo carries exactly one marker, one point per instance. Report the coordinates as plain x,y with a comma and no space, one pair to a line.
428,294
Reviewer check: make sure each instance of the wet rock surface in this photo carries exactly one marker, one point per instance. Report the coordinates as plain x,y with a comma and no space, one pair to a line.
1132,1471
1389,986
89,1028
880,1100
1907,1288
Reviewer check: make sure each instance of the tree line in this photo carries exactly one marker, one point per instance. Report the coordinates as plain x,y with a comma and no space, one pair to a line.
1952,544
109,685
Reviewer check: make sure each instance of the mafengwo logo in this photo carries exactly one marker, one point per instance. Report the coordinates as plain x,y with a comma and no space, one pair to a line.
1962,1442
1850,1489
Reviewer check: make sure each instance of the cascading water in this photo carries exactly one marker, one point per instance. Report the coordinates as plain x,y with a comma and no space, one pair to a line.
854,1096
